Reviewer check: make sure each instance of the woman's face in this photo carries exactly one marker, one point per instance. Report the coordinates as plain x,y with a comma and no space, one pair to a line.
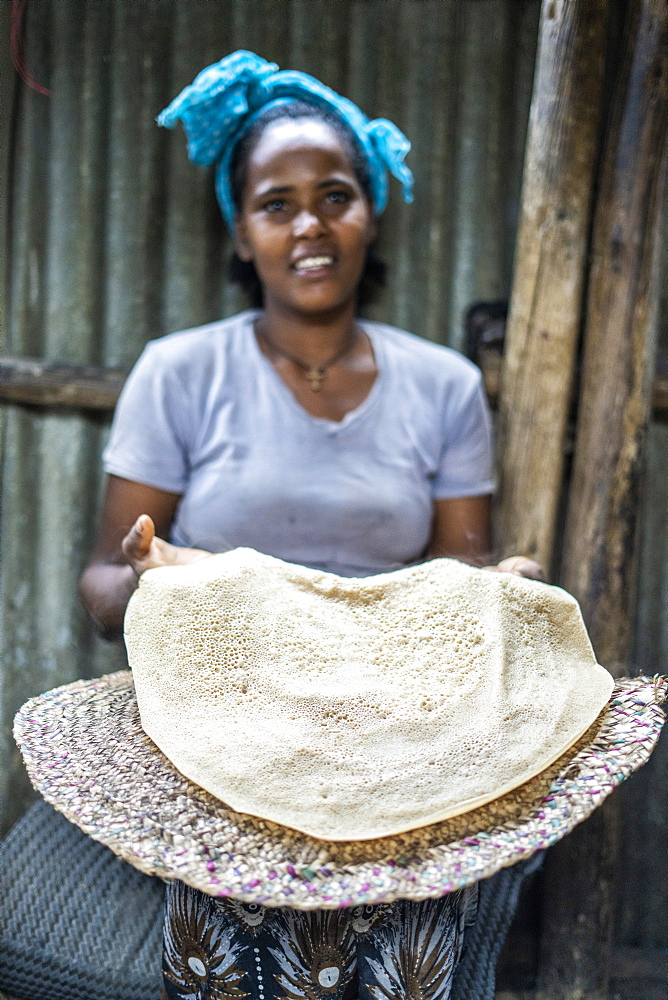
305,222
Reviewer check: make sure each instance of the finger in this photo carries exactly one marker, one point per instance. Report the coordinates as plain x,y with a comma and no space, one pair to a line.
146,528
532,571
522,566
137,542
510,564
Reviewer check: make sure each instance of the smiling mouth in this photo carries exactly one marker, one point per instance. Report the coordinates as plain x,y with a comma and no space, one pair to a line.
313,263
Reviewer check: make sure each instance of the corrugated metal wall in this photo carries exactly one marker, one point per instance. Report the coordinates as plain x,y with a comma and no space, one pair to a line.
111,237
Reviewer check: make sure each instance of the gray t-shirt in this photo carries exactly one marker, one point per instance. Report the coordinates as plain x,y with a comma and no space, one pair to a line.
204,414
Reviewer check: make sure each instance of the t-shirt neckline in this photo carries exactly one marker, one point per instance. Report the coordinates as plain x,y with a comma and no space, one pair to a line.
330,425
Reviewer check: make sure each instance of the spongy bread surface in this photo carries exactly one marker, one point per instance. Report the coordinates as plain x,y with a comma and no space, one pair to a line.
358,708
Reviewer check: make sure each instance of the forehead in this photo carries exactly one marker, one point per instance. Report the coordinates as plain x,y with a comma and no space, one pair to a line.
290,146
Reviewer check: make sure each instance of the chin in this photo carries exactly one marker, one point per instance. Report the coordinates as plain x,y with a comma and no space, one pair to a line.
317,309
316,304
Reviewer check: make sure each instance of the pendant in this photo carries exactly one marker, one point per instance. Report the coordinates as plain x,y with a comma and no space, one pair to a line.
315,377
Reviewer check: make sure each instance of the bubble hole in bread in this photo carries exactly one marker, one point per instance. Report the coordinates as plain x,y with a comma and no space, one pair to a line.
351,709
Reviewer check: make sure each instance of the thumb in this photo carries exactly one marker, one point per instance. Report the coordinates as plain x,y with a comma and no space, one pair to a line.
137,542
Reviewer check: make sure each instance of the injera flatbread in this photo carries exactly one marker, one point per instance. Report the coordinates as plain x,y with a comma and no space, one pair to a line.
352,709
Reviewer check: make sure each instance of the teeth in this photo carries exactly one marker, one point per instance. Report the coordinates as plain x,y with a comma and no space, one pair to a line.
310,263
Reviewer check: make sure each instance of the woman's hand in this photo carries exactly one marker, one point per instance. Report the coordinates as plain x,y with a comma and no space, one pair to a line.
122,555
519,566
463,530
144,550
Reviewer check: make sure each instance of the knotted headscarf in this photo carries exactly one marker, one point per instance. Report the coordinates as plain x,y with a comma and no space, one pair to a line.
225,99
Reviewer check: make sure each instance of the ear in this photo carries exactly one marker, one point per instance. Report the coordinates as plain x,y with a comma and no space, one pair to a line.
241,243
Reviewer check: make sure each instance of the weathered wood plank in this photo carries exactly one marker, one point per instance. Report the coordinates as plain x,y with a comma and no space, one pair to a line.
550,266
660,398
614,404
31,381
579,893
619,348
41,383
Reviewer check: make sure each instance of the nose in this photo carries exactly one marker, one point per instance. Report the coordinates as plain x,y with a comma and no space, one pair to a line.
308,224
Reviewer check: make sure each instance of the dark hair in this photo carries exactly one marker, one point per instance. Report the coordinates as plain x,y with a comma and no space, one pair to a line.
481,324
482,311
243,272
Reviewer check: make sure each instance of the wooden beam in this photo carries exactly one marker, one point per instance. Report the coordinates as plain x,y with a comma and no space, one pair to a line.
579,881
660,398
33,382
620,341
41,383
550,266
614,406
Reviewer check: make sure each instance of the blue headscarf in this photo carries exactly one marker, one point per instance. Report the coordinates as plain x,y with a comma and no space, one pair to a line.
225,99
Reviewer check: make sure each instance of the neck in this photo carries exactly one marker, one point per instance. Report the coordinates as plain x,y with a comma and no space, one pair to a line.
310,338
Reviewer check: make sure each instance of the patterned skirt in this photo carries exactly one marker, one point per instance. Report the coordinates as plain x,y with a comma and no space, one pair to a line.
221,948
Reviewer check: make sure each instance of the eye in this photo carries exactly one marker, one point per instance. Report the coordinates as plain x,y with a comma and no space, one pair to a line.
338,197
274,206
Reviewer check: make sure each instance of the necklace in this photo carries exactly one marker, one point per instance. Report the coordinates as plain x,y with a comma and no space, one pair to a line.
314,374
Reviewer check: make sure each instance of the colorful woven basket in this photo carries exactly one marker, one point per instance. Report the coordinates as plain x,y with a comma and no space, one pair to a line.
88,755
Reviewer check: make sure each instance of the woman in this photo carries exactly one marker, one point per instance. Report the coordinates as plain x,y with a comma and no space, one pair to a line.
308,434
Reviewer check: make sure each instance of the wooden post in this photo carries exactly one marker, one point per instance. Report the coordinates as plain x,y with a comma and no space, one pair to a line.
550,264
620,341
615,399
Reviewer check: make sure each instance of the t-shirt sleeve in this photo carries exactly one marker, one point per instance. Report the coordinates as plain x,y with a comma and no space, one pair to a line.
466,466
149,432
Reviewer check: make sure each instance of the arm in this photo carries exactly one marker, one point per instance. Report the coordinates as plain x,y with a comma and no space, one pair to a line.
462,529
133,517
